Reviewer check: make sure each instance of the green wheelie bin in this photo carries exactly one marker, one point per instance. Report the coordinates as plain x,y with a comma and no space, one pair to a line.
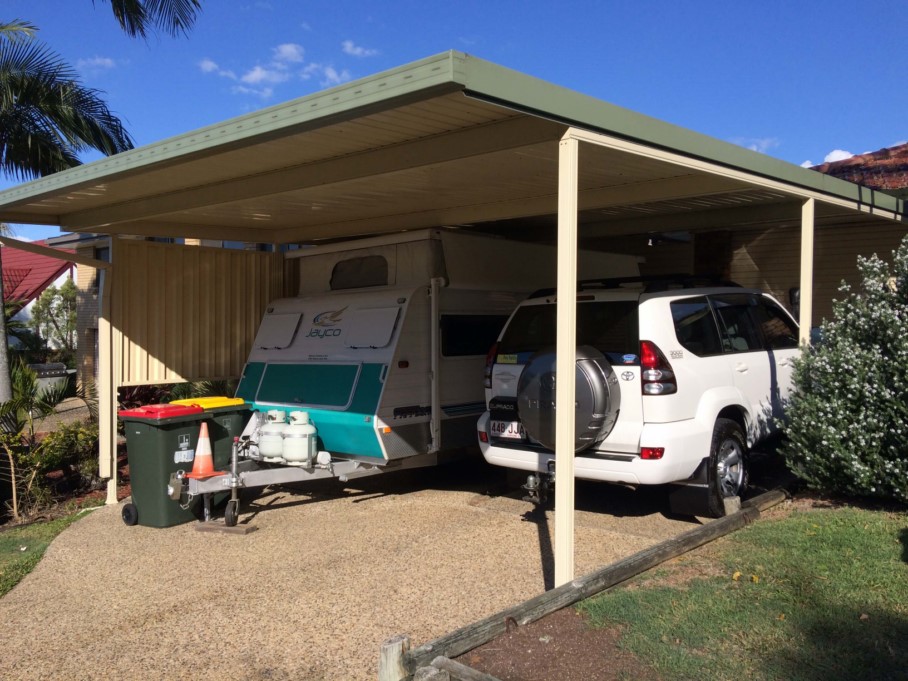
162,439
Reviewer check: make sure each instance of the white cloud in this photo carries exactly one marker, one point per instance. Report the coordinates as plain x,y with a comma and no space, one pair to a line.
760,144
327,75
808,164
334,77
209,66
96,63
258,74
837,155
264,92
288,53
259,80
349,47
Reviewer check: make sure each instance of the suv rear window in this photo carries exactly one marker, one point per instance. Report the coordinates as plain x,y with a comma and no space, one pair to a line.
695,326
609,326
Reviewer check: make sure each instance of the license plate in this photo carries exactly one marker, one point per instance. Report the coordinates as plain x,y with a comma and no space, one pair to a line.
512,430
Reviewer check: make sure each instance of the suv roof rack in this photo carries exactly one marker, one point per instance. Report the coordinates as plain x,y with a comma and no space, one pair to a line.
651,283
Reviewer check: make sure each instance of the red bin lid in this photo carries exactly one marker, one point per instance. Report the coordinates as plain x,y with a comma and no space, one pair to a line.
160,411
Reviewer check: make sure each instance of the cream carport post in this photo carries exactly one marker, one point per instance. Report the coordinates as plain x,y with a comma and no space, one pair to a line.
566,353
805,321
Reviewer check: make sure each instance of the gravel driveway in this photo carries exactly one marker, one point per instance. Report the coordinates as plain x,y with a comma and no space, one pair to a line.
328,576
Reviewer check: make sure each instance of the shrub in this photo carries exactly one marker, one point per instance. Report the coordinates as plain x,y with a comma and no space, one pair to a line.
847,419
72,449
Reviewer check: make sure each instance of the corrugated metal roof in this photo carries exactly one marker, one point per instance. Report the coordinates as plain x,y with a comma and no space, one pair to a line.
26,275
451,139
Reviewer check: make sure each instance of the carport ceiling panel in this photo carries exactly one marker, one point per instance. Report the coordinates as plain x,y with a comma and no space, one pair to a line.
523,173
468,182
514,183
376,163
256,155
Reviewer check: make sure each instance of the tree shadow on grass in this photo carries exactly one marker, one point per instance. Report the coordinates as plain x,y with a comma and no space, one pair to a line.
846,645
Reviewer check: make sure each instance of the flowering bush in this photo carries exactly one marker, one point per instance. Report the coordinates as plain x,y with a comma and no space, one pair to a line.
847,420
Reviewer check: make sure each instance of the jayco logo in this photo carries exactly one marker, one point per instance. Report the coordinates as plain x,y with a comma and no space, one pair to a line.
322,323
328,318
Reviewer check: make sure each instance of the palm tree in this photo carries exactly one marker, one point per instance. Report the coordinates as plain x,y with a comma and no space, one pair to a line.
136,17
47,117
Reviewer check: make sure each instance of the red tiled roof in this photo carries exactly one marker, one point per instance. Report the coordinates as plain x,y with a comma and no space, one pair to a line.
886,169
26,275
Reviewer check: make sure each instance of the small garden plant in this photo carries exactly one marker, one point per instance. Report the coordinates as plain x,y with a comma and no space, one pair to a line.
847,420
30,455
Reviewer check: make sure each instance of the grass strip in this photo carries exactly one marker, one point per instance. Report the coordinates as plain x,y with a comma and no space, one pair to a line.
820,594
21,548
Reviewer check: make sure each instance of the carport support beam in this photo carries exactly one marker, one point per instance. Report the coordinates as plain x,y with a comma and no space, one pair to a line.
107,394
805,314
566,352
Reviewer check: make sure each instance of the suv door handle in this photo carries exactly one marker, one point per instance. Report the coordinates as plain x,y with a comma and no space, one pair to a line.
741,368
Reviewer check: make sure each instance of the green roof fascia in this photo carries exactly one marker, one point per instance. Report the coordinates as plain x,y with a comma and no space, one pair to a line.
500,85
417,80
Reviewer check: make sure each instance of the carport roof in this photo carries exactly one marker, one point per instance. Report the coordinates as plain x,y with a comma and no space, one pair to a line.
447,140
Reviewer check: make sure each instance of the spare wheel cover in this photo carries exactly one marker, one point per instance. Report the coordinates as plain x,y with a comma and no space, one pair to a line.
597,397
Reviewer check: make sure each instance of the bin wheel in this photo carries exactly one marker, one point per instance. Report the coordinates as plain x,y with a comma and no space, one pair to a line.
130,514
231,513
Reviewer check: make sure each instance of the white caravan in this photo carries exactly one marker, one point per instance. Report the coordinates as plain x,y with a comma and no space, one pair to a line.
378,363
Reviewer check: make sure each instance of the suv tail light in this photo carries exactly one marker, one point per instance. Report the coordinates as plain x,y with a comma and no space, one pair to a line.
490,360
655,371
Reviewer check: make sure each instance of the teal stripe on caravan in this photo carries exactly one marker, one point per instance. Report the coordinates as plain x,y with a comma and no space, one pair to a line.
351,431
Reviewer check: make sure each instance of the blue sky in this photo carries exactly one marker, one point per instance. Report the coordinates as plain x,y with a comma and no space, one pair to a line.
798,80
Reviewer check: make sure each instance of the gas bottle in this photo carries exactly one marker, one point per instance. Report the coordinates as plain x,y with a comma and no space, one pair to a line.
300,441
271,444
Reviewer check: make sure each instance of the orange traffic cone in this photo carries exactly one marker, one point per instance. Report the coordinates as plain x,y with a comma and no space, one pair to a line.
203,464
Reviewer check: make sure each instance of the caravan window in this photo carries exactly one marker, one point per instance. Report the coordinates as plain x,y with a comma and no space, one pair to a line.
329,386
371,328
469,334
368,270
277,331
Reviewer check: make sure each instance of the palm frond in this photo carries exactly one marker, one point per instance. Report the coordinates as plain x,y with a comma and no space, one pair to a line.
88,393
17,30
47,117
138,17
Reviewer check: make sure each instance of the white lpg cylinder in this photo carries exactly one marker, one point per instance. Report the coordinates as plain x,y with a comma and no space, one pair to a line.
271,442
300,441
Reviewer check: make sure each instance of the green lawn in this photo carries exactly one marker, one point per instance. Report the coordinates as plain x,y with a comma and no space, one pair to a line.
22,547
818,595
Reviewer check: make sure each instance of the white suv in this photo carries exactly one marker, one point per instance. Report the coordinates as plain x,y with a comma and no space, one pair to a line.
675,382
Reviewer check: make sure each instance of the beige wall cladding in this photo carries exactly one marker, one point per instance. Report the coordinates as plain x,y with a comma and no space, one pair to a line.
187,313
770,259
86,317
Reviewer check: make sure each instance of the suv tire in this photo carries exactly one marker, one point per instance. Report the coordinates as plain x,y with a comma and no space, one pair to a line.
727,469
598,397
